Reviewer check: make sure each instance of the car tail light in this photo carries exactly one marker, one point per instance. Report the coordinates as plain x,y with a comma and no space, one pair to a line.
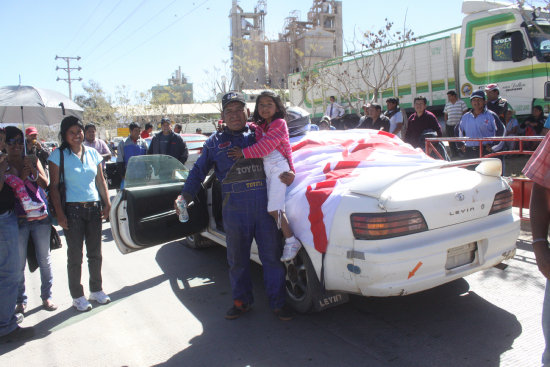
503,201
373,226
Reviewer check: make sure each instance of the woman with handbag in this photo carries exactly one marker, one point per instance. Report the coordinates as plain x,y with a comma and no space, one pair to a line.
9,260
29,169
76,169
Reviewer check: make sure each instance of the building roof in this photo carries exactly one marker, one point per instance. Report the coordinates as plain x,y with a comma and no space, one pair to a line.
177,109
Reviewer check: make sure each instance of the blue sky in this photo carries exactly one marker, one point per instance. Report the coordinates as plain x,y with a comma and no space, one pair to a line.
139,43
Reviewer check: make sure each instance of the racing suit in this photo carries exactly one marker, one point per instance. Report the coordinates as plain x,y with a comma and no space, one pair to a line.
245,215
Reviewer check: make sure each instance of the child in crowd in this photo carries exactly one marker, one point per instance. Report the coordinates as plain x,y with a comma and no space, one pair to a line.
274,147
32,208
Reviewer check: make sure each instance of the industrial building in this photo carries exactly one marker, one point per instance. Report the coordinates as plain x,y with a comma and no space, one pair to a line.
259,63
177,91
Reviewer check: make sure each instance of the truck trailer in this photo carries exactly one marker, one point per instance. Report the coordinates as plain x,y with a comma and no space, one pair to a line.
498,43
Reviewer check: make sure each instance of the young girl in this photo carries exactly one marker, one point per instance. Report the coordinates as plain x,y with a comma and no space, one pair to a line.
32,208
274,147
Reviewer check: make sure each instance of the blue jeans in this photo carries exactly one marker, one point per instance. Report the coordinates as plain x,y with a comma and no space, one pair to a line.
245,218
546,324
40,232
9,271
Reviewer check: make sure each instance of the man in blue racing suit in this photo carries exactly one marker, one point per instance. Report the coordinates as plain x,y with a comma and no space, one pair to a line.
245,215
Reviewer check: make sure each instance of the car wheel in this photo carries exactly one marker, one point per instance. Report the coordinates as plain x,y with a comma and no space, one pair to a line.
196,241
302,284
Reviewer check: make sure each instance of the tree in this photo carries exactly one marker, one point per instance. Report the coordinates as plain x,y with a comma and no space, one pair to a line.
97,106
218,81
123,103
374,68
368,69
248,63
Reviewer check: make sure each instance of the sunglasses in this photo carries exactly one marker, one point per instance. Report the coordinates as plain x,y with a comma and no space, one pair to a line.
14,141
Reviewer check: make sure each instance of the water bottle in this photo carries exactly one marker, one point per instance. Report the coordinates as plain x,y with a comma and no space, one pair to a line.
182,206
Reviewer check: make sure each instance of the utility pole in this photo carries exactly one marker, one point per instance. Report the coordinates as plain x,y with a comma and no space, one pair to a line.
68,70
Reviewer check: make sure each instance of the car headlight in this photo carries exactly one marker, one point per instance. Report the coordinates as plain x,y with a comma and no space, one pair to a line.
376,226
503,201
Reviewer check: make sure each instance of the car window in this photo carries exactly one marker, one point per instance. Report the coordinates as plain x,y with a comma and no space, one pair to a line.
146,170
194,141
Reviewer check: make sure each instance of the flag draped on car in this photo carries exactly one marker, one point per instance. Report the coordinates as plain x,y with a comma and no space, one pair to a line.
328,164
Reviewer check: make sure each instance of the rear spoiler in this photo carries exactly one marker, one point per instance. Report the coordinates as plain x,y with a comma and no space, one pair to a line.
485,166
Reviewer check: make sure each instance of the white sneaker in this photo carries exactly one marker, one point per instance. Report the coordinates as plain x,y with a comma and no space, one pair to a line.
82,304
291,250
100,297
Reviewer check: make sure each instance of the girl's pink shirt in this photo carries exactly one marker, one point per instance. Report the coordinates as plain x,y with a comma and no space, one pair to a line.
268,138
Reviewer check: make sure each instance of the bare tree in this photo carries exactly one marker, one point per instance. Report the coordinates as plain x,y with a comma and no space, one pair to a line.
218,81
373,69
364,73
97,105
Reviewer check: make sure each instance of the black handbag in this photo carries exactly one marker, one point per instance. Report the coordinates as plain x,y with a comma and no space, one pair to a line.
55,243
55,240
60,186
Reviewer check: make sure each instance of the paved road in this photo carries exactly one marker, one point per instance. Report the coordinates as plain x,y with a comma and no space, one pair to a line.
169,301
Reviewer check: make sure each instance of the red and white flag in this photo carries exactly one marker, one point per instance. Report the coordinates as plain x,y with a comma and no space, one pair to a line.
327,163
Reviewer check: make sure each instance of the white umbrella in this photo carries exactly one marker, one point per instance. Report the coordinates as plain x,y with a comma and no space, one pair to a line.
21,104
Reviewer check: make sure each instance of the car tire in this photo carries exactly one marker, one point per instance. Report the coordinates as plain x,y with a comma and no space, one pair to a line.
196,241
301,282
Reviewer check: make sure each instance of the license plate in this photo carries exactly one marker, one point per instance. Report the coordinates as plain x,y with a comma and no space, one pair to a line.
461,255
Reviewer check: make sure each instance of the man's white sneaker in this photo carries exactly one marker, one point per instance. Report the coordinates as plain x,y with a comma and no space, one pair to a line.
100,297
291,250
82,304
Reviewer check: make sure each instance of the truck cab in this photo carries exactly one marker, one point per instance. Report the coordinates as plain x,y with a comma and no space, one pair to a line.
503,44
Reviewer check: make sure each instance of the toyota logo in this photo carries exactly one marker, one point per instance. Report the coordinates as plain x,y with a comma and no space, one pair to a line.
459,196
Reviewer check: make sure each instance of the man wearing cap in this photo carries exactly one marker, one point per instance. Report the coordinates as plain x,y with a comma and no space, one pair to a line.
453,111
34,146
168,143
480,122
245,215
395,115
419,122
495,102
324,124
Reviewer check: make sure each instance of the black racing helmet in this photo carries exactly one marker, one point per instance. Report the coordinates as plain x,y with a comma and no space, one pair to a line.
298,121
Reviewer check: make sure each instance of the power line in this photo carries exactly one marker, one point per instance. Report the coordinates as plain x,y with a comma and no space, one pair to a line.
77,33
154,36
100,24
117,27
134,32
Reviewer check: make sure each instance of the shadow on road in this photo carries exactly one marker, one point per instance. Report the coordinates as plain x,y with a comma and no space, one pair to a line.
446,326
71,316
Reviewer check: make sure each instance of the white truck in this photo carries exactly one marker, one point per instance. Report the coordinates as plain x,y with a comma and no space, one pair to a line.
498,43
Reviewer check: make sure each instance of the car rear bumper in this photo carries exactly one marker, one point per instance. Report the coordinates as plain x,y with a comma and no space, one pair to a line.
410,264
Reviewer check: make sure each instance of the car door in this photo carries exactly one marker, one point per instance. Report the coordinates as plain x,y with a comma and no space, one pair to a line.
143,215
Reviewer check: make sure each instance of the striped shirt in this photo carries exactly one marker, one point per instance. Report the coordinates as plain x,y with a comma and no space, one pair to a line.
454,112
538,166
270,137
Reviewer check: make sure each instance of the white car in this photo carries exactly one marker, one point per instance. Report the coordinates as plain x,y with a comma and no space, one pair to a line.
379,219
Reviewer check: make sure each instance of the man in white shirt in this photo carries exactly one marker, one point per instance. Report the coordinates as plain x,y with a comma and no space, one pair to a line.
334,110
454,109
394,114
